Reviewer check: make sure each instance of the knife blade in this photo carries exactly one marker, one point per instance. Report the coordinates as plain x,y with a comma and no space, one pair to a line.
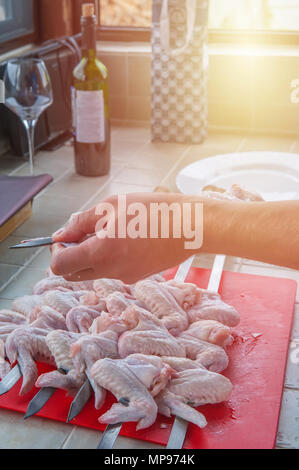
34,242
112,430
41,398
10,380
39,401
80,401
180,426
110,435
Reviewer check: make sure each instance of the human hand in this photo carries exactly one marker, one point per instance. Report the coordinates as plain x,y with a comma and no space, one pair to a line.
128,259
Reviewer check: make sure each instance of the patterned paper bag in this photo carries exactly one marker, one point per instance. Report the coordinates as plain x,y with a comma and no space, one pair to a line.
179,70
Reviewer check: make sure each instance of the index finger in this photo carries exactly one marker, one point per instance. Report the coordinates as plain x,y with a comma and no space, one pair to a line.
79,225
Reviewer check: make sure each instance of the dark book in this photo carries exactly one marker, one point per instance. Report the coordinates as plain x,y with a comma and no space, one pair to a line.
16,195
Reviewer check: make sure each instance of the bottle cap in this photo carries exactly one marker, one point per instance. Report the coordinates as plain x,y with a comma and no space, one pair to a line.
88,10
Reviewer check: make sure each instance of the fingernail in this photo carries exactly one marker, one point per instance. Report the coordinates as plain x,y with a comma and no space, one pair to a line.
58,233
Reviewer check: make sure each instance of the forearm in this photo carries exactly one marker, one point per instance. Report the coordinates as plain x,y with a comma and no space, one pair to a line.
267,232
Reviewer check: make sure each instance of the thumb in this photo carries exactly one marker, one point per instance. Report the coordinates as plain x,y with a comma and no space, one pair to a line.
79,225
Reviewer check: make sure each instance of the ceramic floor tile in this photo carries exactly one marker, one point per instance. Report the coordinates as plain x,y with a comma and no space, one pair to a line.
23,283
49,162
292,372
224,142
47,204
124,150
77,187
40,225
275,144
126,443
5,304
41,261
81,438
8,163
288,430
117,188
295,330
140,176
35,433
158,155
15,257
135,134
6,271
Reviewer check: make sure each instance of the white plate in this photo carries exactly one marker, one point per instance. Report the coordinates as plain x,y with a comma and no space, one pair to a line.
274,175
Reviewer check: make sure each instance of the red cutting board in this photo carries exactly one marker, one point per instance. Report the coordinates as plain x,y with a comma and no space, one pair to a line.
249,419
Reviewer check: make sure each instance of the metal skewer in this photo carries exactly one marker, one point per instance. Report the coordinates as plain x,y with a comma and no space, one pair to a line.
80,400
10,380
39,401
180,426
41,398
112,430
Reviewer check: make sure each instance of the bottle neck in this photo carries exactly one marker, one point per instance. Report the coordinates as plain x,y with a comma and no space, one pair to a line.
89,26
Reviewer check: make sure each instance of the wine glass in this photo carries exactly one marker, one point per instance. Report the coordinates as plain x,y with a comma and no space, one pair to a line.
28,93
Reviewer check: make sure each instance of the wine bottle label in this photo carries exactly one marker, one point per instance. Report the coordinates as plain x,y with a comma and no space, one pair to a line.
90,117
73,103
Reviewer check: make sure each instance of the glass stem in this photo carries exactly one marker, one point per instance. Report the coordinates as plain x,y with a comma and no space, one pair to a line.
30,128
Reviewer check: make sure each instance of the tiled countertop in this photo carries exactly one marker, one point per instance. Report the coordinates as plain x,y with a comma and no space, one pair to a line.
137,165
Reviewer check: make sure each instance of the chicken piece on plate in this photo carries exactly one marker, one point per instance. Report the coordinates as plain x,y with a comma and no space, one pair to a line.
244,195
9,316
132,381
210,306
62,302
160,302
4,365
25,305
193,385
147,335
105,287
59,343
211,356
79,319
209,330
6,329
235,193
26,345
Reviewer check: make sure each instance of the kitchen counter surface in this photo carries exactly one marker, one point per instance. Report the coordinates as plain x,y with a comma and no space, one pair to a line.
137,165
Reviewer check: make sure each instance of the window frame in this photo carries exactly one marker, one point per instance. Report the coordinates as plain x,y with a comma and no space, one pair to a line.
263,37
134,34
27,37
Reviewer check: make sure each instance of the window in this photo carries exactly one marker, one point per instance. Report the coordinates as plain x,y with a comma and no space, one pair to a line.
17,25
235,16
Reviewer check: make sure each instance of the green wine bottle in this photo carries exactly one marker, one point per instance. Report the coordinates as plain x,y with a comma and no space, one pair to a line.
91,125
